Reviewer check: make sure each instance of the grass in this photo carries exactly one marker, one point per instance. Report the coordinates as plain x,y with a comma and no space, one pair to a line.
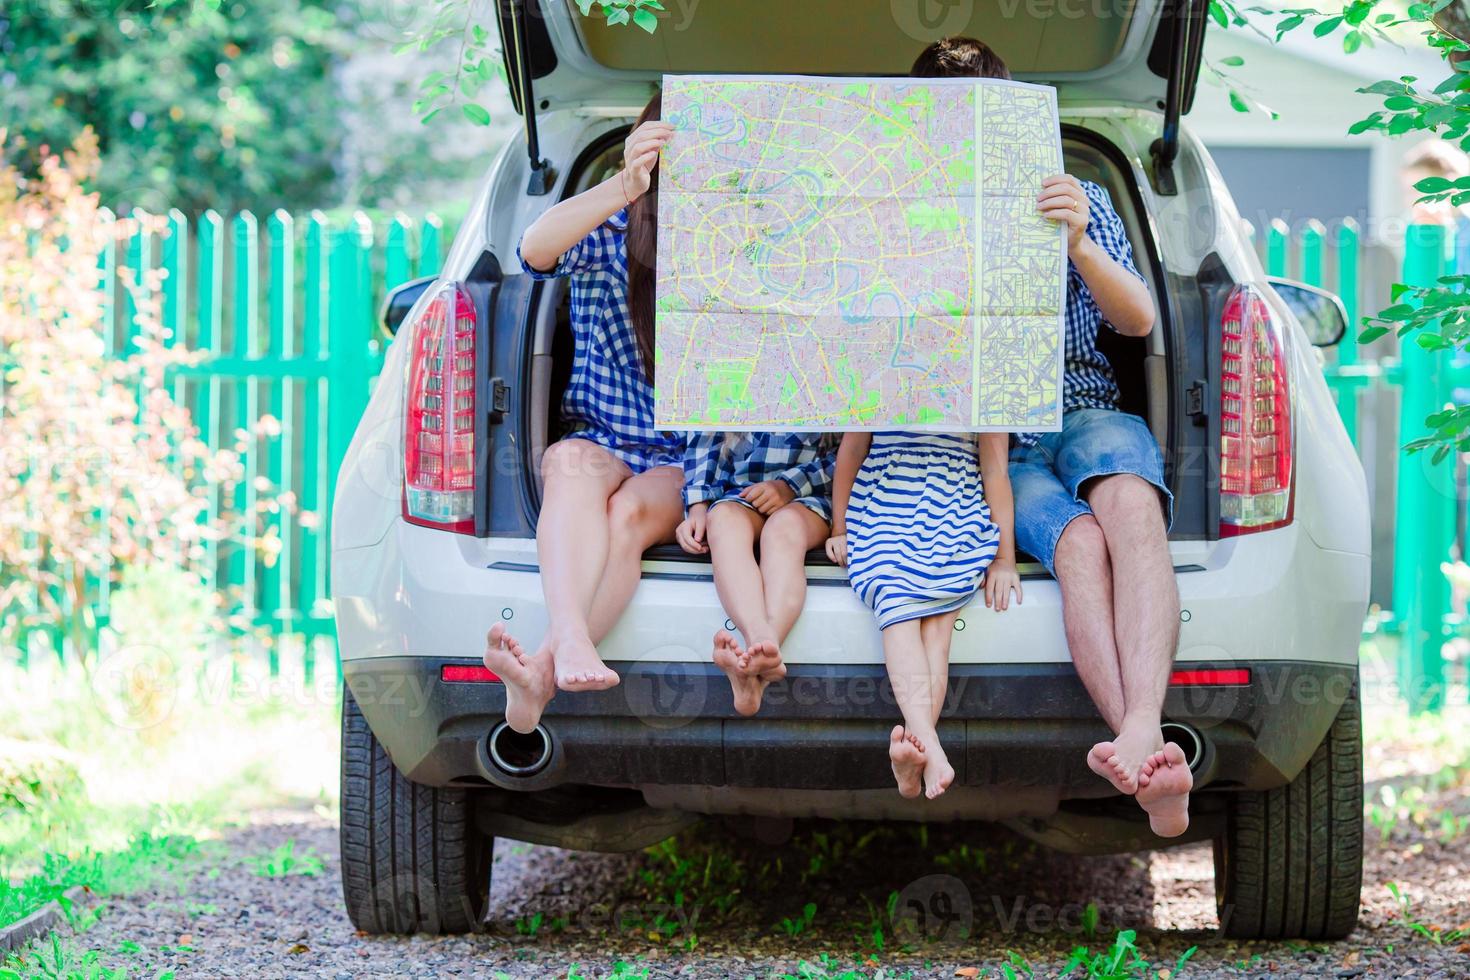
283,862
163,765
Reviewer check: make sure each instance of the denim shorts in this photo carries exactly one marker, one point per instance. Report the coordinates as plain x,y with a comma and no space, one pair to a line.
1046,477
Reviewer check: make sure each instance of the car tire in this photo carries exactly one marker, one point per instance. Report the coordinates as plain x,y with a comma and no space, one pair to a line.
1290,863
412,860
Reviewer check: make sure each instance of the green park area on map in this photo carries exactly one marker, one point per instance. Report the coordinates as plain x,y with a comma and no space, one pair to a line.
858,254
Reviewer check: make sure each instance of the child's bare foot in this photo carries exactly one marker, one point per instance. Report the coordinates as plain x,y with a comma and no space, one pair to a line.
906,754
747,688
579,668
763,658
1163,792
938,773
529,684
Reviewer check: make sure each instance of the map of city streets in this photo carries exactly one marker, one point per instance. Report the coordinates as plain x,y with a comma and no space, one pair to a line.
838,253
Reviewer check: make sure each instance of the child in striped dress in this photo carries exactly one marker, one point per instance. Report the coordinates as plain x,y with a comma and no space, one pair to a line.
922,525
741,488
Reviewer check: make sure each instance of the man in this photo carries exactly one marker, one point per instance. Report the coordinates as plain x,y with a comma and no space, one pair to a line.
1091,503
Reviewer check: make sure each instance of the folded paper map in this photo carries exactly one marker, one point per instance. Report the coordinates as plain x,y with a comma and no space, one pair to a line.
849,253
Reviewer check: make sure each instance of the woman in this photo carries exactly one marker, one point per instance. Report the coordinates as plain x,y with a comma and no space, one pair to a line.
613,485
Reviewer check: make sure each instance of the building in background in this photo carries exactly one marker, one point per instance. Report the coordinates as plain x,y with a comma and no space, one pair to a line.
1304,164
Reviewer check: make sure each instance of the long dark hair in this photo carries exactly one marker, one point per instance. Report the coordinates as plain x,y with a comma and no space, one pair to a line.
641,245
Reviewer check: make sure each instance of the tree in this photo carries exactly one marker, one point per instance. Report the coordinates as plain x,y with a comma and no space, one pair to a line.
1435,317
226,104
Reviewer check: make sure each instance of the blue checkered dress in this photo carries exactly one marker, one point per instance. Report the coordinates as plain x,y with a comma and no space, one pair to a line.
718,466
608,401
1088,380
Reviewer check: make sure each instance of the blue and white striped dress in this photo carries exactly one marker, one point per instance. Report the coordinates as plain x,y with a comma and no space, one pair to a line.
919,533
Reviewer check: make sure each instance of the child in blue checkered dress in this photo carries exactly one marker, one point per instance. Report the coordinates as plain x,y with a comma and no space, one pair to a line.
613,484
744,488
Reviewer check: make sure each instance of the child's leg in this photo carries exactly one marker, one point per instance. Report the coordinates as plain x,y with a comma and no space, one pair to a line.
788,535
936,633
913,687
731,532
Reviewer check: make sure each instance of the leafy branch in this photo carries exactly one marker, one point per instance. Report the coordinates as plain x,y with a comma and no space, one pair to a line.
477,62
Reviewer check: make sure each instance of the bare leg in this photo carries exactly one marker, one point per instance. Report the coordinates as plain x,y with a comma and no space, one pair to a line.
1145,610
1085,573
788,535
643,511
572,546
936,633
732,531
908,672
636,523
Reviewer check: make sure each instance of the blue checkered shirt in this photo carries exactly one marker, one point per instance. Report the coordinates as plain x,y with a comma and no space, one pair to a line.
608,400
716,466
1088,381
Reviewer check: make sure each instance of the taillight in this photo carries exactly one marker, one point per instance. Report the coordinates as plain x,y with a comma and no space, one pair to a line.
439,414
1255,417
468,674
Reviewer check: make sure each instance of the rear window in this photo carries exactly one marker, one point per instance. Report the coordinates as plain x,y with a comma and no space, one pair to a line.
762,36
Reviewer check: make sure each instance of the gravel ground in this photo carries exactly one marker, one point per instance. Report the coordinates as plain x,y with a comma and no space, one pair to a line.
597,910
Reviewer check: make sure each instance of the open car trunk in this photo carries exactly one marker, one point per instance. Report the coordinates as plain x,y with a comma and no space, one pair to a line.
1145,53
1138,363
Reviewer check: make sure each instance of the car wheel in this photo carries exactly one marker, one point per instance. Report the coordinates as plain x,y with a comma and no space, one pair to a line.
412,860
1290,863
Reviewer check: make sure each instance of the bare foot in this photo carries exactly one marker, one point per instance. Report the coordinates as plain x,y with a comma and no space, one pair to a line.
1164,785
1103,760
938,773
763,658
747,688
529,685
1120,761
579,668
906,754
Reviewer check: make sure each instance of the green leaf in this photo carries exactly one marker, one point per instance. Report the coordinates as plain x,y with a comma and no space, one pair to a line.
646,20
1371,334
1432,185
1352,41
1238,102
476,113
1232,61
1430,341
1217,13
1327,26
1289,24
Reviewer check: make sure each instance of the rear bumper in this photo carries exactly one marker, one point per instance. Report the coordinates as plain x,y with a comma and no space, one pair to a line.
824,728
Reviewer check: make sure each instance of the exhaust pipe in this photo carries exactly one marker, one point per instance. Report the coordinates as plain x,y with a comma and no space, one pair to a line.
1188,738
516,754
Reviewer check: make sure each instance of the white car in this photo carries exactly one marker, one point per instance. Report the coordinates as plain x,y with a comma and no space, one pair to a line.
434,542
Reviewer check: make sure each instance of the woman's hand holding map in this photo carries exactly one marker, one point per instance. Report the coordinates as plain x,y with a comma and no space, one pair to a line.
640,153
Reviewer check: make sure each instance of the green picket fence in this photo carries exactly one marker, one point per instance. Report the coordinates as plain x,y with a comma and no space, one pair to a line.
286,317
1426,498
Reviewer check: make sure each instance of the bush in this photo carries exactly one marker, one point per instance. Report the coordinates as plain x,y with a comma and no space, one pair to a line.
100,469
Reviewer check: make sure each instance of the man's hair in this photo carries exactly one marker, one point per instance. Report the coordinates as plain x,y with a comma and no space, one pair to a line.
959,57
